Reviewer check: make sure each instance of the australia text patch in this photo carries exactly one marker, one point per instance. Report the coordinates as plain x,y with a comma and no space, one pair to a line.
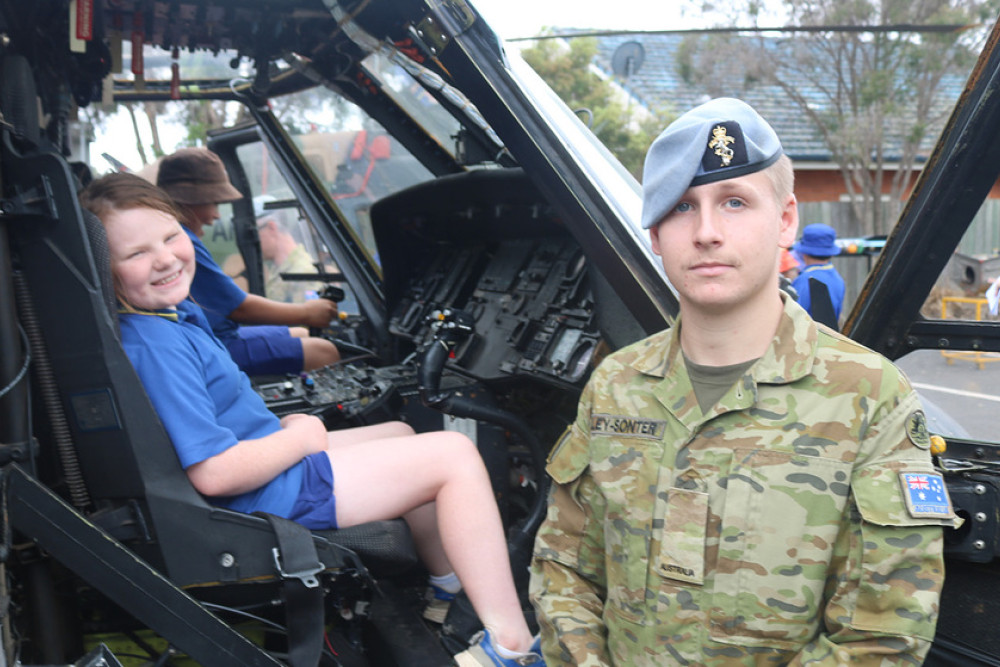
621,425
925,495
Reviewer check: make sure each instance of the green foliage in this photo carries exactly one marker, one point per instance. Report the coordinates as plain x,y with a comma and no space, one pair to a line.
202,116
625,128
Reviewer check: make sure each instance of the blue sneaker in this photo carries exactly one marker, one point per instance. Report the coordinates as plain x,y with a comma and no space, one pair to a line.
438,603
482,652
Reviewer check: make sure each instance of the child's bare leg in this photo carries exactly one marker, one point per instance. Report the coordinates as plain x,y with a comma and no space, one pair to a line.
382,479
421,520
368,433
423,525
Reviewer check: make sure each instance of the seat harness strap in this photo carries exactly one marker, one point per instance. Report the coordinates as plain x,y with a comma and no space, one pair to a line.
298,563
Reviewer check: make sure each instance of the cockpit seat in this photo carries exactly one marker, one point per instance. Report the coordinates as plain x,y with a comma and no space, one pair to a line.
125,475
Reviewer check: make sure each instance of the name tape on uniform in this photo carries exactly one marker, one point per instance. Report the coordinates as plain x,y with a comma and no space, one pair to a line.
623,425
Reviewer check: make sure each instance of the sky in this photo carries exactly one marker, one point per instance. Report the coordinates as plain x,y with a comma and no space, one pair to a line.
524,18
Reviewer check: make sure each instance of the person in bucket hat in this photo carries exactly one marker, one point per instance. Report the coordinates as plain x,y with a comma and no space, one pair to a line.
739,488
817,245
196,179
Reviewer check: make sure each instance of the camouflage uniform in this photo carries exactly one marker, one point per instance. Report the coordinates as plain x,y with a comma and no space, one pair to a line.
290,291
773,530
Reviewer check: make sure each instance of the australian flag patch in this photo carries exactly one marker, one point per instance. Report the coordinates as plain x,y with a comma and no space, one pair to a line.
926,495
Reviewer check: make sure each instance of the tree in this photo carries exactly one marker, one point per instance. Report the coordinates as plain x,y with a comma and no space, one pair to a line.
202,116
625,129
875,98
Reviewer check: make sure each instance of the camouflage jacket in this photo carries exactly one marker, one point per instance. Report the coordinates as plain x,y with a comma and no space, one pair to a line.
779,528
291,291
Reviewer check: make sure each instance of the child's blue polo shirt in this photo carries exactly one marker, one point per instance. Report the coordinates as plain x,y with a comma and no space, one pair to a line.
206,403
214,291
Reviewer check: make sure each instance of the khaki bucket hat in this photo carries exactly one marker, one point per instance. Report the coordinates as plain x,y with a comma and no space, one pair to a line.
196,176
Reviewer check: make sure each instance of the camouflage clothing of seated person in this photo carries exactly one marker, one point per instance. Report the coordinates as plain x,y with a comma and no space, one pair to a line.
746,487
283,254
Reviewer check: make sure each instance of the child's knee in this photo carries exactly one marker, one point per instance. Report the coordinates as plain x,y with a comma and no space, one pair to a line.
398,429
318,352
460,449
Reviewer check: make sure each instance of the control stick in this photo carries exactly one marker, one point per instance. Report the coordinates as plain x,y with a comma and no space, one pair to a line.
449,328
330,293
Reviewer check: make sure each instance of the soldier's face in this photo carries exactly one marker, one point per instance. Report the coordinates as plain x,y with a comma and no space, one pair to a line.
720,245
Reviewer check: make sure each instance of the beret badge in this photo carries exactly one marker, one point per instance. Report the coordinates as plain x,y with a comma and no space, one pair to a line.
719,143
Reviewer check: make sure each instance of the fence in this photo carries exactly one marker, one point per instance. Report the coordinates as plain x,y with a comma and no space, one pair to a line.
982,239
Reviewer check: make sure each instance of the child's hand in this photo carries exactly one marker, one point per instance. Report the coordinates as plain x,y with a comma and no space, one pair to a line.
308,430
319,313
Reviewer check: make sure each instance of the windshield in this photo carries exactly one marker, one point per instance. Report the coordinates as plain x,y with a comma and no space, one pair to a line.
964,382
413,97
350,153
617,185
355,160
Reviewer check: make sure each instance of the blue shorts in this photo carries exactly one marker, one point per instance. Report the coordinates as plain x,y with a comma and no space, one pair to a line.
316,506
266,350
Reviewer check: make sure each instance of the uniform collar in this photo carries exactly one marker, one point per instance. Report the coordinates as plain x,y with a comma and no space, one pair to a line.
788,358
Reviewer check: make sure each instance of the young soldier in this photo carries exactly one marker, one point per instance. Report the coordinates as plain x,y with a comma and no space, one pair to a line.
744,488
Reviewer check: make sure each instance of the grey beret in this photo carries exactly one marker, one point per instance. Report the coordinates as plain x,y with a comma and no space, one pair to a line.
721,139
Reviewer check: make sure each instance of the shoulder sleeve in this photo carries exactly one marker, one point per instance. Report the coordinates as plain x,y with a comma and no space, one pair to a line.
568,577
900,486
170,369
570,506
890,555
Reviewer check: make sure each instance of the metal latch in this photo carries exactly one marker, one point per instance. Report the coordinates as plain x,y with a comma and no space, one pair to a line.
307,576
962,465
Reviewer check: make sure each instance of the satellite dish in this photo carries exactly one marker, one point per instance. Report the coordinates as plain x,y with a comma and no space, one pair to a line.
627,59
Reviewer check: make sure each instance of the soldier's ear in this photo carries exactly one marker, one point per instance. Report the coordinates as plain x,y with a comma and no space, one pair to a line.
654,238
789,222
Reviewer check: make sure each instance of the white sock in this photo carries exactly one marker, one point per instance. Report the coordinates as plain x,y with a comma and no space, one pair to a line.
449,583
507,653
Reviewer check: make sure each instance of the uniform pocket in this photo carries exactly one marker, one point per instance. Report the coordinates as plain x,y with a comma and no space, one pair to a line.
627,472
783,513
682,549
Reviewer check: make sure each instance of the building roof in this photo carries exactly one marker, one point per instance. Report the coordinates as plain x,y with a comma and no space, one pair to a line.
659,84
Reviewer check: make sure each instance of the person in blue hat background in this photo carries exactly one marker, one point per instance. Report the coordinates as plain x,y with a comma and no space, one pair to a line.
817,245
738,489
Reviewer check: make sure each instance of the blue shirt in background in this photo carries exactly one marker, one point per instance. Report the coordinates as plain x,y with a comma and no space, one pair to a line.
826,274
214,291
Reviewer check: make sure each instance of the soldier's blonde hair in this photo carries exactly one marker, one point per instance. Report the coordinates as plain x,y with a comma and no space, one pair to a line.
782,177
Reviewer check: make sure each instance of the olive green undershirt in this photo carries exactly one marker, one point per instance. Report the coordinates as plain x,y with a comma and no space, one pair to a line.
710,383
